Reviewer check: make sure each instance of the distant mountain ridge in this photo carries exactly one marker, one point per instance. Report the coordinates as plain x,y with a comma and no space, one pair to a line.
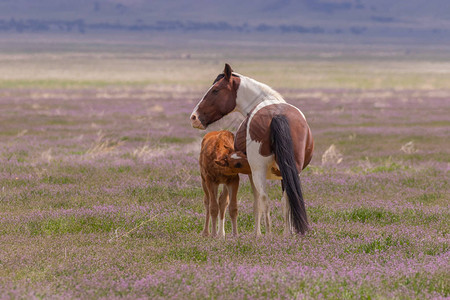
415,18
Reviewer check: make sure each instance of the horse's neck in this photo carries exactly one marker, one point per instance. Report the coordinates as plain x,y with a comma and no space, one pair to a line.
251,93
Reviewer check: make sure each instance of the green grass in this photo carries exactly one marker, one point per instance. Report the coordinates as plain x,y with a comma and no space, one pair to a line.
163,193
70,225
189,254
298,67
58,180
420,282
380,245
426,198
364,215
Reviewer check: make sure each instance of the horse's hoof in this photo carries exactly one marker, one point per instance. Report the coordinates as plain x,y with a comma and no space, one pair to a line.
205,234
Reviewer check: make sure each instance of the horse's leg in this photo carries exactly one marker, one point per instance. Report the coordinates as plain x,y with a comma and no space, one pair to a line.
223,203
285,207
261,200
233,187
262,206
259,165
206,203
256,199
267,219
287,215
213,205
255,206
286,211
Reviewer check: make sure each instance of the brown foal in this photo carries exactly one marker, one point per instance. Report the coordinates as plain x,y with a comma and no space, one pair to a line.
220,164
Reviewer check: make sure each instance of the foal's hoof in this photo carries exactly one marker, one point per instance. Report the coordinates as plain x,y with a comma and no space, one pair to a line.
205,233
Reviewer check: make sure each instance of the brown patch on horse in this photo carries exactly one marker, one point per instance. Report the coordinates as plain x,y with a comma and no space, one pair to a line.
260,131
220,100
240,141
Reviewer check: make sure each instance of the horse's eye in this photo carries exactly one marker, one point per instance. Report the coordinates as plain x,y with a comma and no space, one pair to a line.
215,92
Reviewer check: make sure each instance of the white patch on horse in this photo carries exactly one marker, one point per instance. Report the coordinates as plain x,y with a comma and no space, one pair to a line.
257,108
251,92
221,232
235,156
259,166
259,86
194,112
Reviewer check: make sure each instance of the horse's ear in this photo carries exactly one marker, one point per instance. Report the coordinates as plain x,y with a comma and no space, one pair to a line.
227,71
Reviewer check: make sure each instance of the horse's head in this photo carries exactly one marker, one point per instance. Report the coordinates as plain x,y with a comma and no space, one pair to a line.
218,101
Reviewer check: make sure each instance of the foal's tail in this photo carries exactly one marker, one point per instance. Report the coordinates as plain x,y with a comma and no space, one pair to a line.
283,148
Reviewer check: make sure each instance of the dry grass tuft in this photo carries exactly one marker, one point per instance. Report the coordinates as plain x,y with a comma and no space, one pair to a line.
103,145
145,152
47,155
409,148
332,156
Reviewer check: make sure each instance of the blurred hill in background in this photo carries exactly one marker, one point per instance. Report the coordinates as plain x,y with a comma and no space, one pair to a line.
418,20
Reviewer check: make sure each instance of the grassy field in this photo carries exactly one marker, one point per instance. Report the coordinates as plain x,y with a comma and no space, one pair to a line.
29,62
100,193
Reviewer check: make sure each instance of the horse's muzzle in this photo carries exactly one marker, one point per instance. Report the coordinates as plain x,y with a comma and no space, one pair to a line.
195,122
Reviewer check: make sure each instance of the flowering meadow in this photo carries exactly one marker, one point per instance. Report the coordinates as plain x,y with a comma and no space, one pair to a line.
100,197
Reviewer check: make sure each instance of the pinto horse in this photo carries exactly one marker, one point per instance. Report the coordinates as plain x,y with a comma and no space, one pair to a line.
274,135
220,164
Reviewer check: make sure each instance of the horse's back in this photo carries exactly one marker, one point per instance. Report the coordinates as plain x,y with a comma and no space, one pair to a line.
257,125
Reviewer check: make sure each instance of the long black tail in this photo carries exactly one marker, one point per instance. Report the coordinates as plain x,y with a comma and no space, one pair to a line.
284,154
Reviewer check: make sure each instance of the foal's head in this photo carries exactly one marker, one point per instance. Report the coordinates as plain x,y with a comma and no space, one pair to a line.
235,163
218,101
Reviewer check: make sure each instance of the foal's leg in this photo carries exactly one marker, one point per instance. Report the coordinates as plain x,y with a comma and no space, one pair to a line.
213,205
233,187
223,203
206,203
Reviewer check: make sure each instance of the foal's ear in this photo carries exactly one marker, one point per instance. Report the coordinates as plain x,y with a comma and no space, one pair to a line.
223,162
227,71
